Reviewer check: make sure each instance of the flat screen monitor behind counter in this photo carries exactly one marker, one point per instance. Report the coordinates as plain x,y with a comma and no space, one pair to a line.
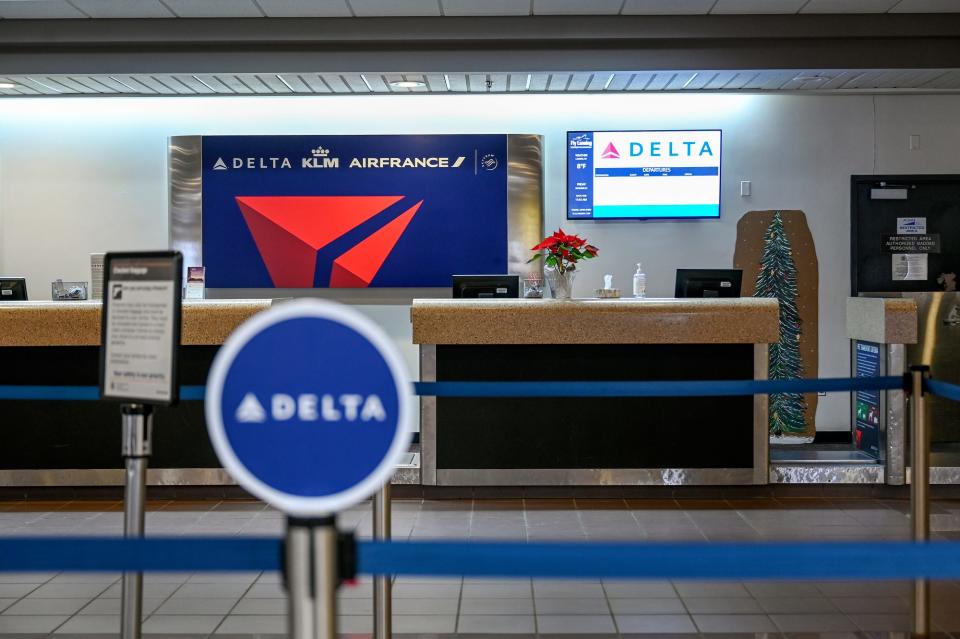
719,282
13,289
618,175
483,286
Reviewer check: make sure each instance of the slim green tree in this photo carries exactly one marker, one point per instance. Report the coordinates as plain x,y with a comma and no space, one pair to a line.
778,278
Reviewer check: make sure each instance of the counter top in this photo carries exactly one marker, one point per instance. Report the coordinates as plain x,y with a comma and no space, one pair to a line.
205,322
747,320
884,320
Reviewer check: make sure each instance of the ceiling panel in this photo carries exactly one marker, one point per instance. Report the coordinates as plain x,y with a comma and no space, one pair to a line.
576,7
38,9
486,7
214,8
518,82
848,6
926,6
381,8
213,83
758,6
125,9
305,8
832,80
662,7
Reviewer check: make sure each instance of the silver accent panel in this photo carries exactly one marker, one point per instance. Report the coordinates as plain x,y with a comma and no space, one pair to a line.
524,202
826,474
944,474
428,417
761,419
896,422
594,476
404,474
185,207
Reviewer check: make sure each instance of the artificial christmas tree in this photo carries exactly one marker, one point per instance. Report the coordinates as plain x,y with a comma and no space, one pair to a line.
778,278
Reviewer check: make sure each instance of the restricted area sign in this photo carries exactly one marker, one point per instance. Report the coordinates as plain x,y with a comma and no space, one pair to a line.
308,407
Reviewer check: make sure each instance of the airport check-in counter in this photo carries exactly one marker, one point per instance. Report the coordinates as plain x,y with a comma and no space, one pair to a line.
77,443
596,440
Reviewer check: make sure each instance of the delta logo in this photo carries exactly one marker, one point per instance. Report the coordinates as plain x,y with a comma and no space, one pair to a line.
290,231
309,407
610,153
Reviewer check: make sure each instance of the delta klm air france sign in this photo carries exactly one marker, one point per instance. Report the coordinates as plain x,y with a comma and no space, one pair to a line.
352,211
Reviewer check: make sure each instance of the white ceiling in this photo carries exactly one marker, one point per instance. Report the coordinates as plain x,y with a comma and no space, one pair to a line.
47,9
835,81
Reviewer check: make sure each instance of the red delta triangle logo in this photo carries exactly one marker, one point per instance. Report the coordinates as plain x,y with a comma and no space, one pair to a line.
289,230
610,153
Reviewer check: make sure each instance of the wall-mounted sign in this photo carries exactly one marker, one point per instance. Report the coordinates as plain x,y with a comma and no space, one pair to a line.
911,225
140,327
353,211
907,267
912,243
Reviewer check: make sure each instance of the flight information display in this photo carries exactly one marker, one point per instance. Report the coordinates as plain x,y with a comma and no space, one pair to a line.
643,174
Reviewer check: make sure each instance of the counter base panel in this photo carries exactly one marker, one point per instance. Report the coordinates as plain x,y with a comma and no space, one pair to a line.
589,441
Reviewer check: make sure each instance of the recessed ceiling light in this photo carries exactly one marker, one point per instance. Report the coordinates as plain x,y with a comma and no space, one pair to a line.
811,78
408,84
7,85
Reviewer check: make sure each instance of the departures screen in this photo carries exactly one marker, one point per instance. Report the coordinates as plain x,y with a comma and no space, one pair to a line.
643,174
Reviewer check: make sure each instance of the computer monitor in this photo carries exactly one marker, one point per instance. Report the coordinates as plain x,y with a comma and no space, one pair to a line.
708,282
483,286
13,289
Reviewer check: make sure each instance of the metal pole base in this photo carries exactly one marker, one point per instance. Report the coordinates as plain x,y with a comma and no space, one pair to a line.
137,423
312,577
382,584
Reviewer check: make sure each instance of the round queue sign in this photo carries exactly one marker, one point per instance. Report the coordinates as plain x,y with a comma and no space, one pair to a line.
308,407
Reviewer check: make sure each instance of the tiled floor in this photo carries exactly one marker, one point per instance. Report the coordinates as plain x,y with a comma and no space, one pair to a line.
253,605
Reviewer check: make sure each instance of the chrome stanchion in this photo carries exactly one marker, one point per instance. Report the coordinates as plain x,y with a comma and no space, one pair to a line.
920,492
382,586
297,567
326,578
312,576
137,421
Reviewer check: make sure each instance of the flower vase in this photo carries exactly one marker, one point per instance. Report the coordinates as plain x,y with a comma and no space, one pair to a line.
561,284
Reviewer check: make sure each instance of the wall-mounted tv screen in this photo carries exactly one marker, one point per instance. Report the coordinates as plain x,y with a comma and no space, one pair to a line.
618,175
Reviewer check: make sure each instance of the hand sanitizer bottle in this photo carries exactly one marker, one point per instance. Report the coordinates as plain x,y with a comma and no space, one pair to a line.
639,282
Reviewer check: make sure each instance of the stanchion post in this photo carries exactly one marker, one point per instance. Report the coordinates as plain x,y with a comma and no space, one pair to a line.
312,576
326,577
137,424
920,492
382,586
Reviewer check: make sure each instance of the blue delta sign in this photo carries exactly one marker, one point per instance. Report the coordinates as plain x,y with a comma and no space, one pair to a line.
308,407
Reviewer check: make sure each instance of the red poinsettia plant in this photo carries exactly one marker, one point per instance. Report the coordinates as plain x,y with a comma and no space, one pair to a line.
562,251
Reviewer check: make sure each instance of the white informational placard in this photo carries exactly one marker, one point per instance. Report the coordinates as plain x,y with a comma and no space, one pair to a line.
911,226
910,267
140,327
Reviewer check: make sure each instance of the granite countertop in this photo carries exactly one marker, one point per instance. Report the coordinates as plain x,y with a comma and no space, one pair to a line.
205,322
746,320
884,320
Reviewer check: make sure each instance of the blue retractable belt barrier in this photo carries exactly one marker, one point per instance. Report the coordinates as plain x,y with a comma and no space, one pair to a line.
943,389
708,388
711,388
79,393
27,554
844,560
